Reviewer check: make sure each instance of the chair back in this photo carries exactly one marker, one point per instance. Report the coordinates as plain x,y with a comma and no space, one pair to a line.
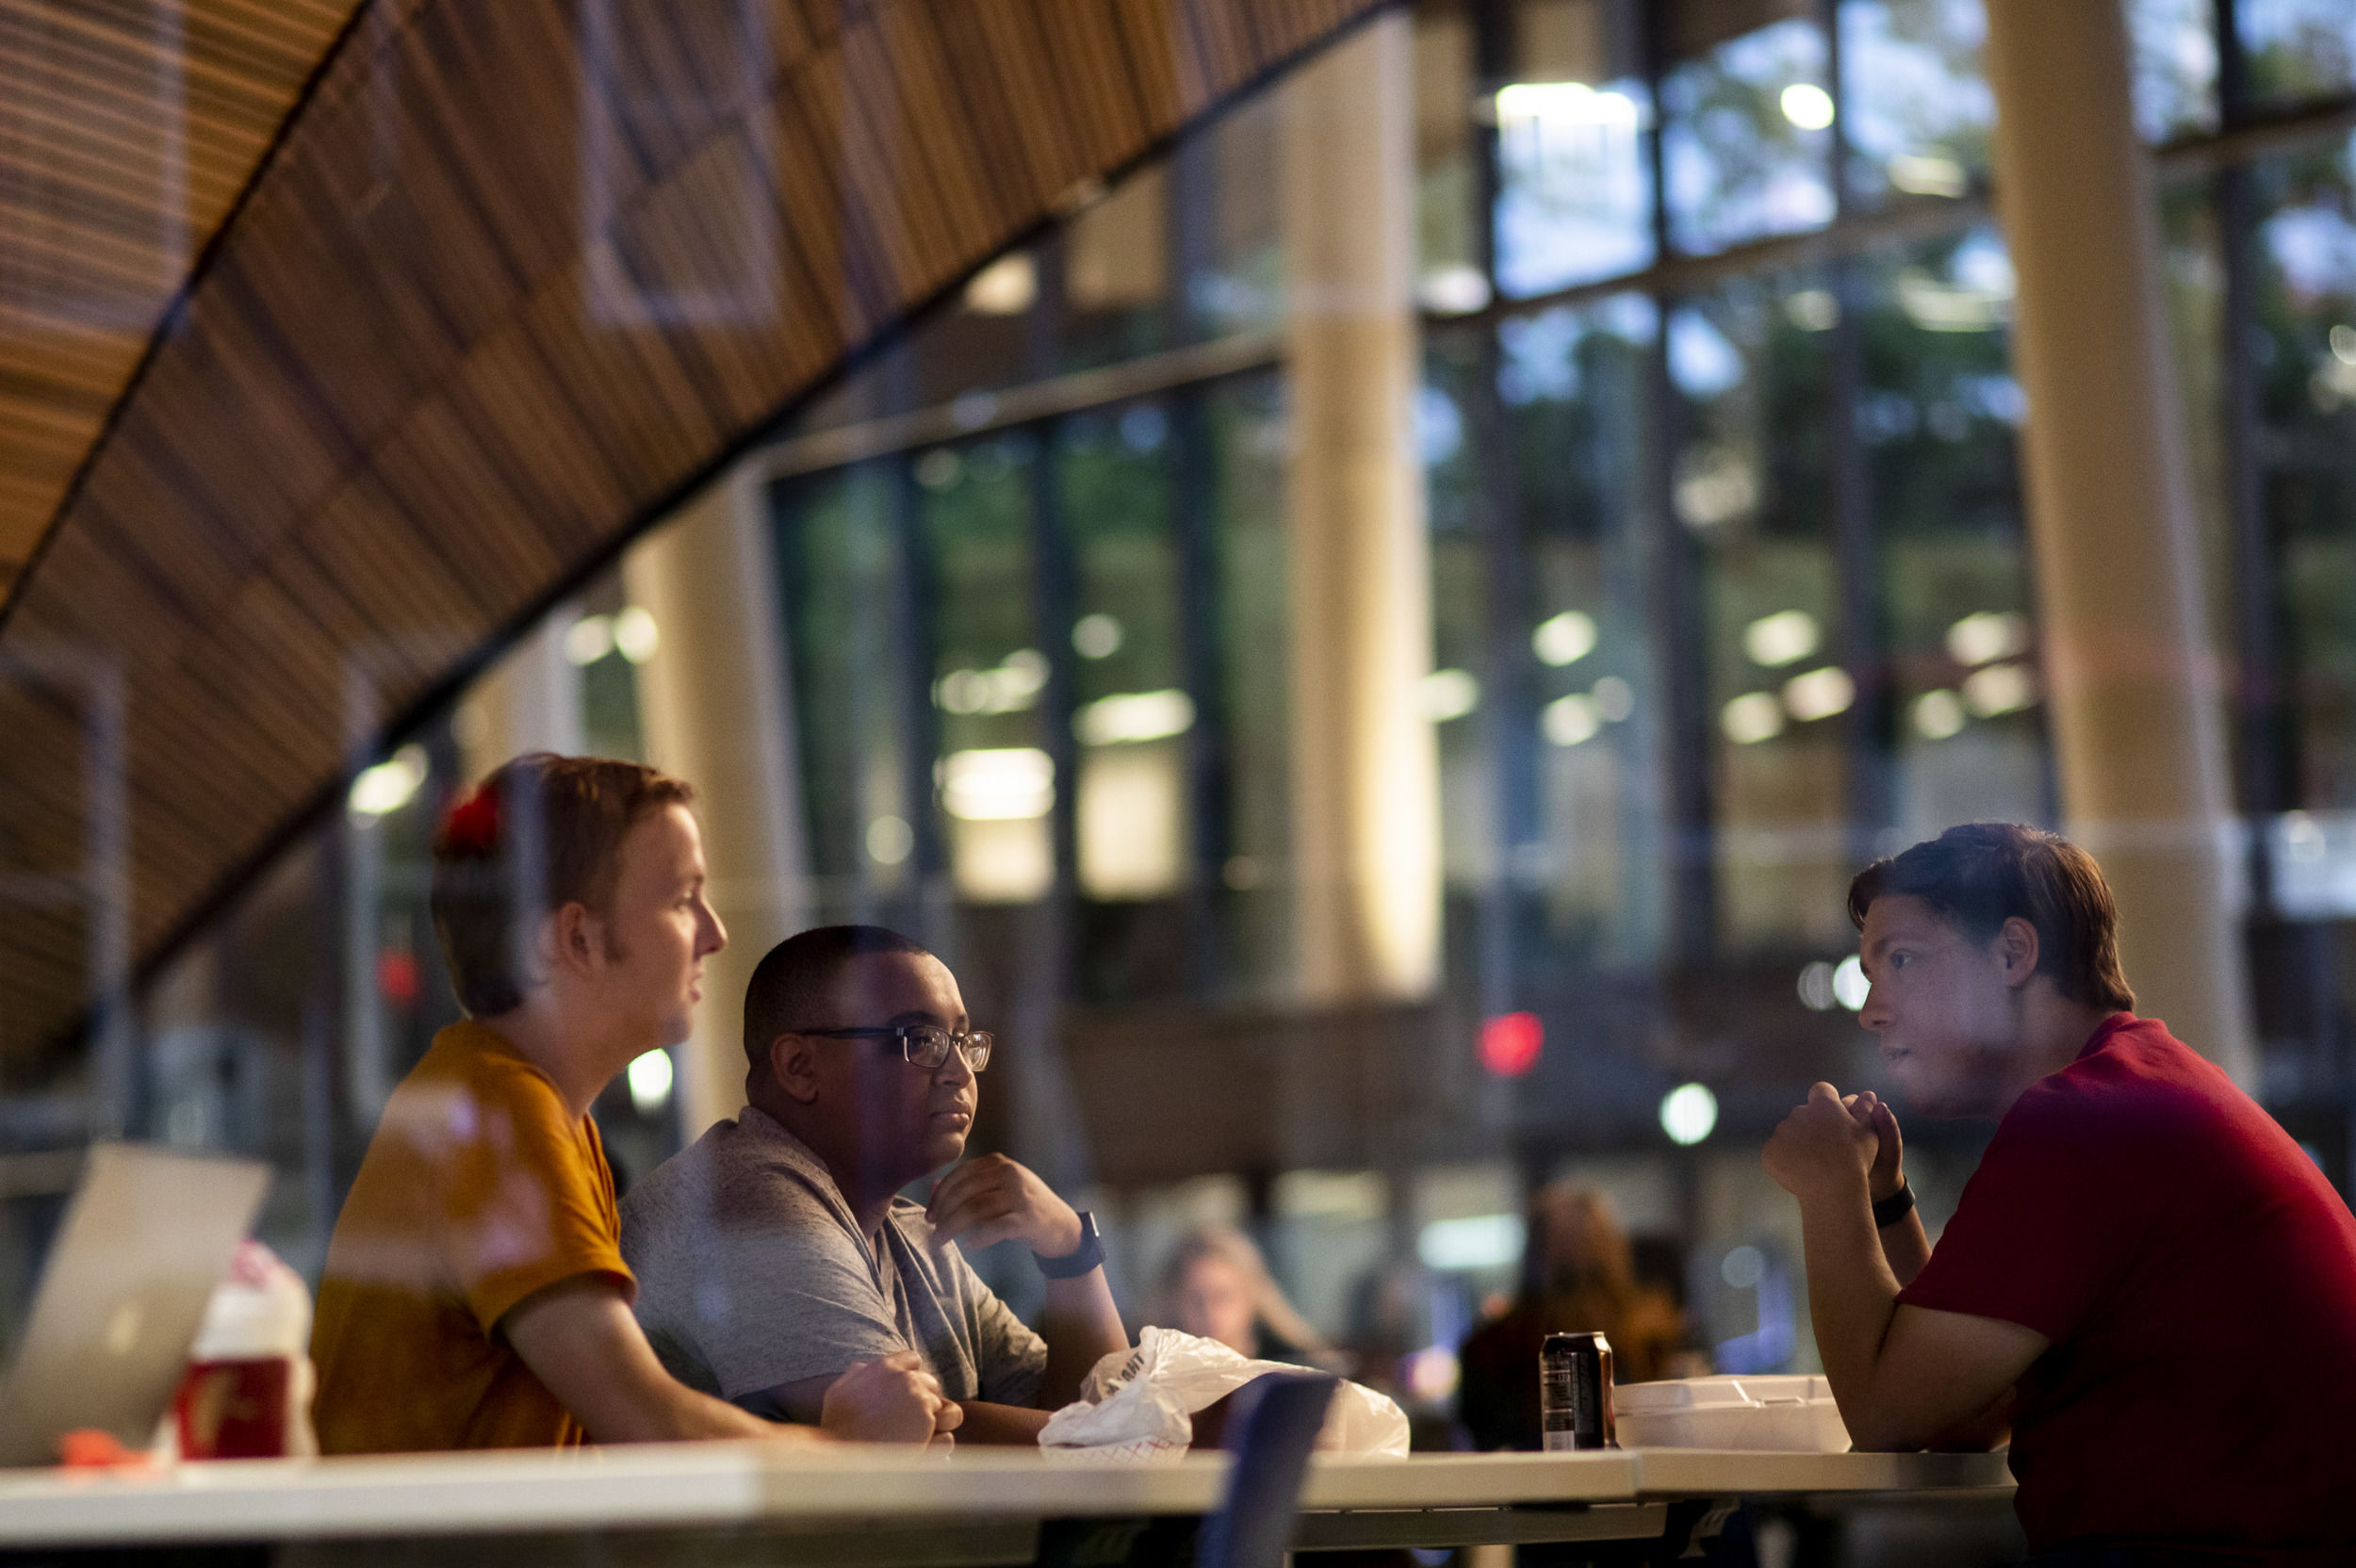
1270,1429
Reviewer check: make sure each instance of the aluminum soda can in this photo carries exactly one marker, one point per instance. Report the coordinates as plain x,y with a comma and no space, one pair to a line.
1574,1393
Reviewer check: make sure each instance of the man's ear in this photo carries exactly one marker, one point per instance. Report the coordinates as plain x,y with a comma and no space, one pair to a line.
794,1063
2017,945
572,939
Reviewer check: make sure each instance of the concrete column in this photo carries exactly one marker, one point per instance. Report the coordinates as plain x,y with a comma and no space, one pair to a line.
1366,771
2135,690
715,708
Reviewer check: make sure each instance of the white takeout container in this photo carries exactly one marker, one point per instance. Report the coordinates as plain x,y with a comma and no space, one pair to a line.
1783,1415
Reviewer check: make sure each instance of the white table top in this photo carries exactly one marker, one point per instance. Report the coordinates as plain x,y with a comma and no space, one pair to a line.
705,1484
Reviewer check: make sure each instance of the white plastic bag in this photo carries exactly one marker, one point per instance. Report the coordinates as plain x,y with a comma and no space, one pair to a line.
1138,1405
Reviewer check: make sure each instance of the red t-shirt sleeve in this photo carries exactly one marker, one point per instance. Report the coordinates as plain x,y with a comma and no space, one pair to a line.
2019,1246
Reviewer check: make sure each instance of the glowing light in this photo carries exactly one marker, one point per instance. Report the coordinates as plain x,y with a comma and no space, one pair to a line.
1457,290
390,785
1564,639
1819,694
1131,716
1568,720
1096,636
1522,104
2344,344
1007,286
636,635
1813,310
1937,714
1986,634
650,1077
1752,717
1785,637
1449,695
1743,1268
1936,306
1430,1374
1849,986
1816,994
2000,689
1004,784
1689,1114
1615,699
1483,1241
1928,174
1510,1044
1013,687
1807,105
889,841
589,639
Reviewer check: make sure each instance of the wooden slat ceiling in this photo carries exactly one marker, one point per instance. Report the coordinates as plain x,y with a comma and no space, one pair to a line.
127,127
514,274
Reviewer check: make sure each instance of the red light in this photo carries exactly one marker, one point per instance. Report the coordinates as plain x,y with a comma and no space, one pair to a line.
1510,1045
397,975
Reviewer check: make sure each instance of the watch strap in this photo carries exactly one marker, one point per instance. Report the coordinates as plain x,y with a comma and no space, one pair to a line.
1895,1207
1087,1255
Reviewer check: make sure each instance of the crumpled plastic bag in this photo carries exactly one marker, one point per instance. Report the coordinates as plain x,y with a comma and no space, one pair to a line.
1138,1406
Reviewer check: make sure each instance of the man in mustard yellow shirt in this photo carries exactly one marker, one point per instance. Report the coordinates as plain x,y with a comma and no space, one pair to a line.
474,1294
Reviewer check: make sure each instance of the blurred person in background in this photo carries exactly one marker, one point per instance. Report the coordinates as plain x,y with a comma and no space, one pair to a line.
1578,1276
1217,1285
475,1293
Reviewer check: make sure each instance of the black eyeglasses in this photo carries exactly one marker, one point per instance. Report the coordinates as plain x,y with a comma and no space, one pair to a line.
921,1045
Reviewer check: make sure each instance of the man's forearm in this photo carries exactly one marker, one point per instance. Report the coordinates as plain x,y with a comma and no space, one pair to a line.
1005,1424
1082,1327
1852,1296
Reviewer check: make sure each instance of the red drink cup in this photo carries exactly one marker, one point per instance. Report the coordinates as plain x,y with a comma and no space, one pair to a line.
235,1409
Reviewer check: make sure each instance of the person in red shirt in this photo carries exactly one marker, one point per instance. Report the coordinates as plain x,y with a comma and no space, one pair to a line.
2146,1281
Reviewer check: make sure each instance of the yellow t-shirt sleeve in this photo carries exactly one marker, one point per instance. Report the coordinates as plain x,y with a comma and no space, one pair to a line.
530,1200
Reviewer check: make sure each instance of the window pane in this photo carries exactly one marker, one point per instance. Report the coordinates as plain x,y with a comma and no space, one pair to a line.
1575,194
2306,351
840,559
1939,418
1752,486
1920,113
2175,66
997,777
1748,139
1248,437
1573,390
2298,48
1133,713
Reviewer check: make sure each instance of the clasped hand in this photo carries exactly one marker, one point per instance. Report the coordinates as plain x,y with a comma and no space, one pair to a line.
1827,1144
990,1199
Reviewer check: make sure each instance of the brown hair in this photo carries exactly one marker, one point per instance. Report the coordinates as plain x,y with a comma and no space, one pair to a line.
1982,874
541,832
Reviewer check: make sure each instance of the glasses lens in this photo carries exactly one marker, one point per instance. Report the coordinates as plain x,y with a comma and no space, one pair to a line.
977,1046
925,1045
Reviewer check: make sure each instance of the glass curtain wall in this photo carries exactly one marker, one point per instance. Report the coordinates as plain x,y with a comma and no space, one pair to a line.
1730,591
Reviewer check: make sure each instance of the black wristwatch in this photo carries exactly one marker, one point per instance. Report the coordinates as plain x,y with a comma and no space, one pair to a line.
1893,1208
1087,1255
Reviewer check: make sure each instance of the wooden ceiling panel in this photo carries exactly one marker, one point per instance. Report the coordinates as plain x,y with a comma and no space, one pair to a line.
493,286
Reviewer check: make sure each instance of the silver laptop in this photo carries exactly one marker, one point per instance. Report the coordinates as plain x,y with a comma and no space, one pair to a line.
148,1234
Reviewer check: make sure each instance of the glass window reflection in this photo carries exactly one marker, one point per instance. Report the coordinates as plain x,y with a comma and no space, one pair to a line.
1748,139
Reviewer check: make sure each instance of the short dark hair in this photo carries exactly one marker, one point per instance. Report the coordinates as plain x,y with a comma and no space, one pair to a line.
541,832
1982,874
790,986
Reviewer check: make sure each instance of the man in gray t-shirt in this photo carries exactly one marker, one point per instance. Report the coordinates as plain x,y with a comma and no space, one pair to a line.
775,1252
752,1274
